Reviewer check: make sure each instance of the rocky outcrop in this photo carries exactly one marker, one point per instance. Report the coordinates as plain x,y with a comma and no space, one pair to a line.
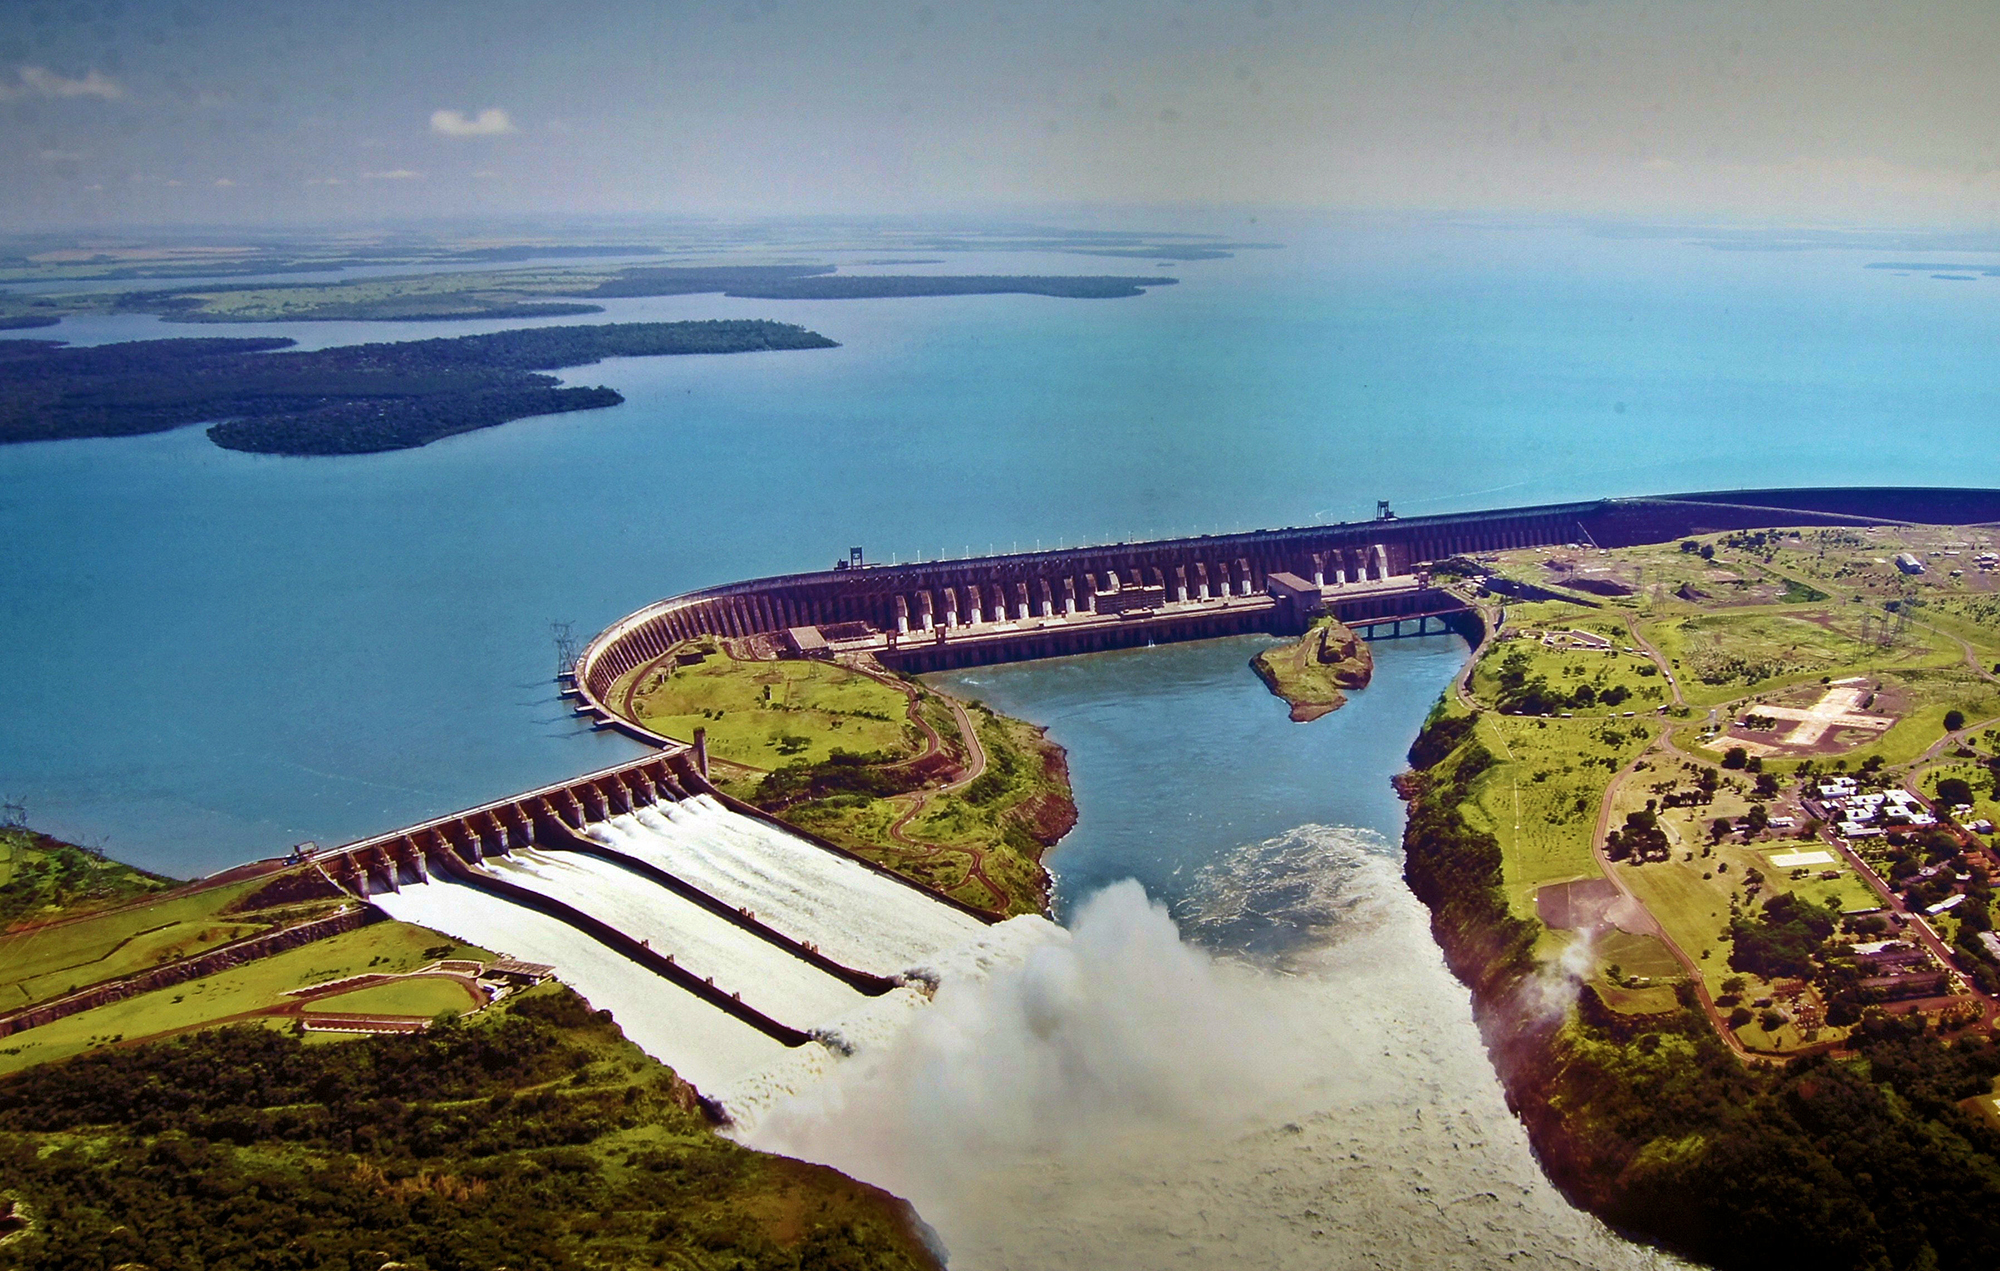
1312,672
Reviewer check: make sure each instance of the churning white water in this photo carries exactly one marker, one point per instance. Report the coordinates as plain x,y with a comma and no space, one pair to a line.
850,913
703,1044
1128,1097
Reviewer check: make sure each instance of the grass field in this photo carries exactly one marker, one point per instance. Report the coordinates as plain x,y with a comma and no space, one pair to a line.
990,819
1645,689
1722,656
768,714
46,962
390,947
1541,800
428,996
1636,957
41,877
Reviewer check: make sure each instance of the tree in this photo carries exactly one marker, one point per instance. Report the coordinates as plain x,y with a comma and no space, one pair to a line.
1767,785
1954,790
1954,719
1735,757
1758,819
1782,940
1721,828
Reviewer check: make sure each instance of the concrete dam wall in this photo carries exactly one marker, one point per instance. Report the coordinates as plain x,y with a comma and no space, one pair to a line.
941,614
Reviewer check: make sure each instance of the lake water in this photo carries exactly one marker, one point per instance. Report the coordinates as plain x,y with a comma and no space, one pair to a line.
217,655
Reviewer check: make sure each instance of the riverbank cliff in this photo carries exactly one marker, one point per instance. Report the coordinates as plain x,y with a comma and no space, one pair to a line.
1872,1159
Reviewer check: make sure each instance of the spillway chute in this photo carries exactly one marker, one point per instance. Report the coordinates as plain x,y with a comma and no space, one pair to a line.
748,959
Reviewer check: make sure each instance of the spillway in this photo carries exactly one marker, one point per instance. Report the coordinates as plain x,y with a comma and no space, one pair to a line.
747,958
702,1044
852,914
766,976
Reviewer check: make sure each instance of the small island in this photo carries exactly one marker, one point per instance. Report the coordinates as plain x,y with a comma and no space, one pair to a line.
1313,671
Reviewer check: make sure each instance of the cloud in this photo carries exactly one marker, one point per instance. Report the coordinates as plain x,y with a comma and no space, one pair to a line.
491,122
40,81
393,174
223,182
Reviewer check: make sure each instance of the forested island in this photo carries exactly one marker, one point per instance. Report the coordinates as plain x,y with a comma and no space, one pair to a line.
1313,672
540,290
819,282
354,399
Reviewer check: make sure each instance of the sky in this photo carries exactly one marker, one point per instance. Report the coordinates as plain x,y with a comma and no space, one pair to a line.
263,111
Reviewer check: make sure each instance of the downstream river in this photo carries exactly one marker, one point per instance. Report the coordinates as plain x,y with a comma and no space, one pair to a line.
1249,1053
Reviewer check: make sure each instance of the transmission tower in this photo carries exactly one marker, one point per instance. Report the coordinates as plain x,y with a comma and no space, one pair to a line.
565,647
13,815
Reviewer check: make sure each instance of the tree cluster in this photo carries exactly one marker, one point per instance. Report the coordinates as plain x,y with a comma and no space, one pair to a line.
1782,940
462,1149
348,400
1522,693
1641,840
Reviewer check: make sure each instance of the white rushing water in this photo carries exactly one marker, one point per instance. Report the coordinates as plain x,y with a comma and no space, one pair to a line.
1123,1097
706,1046
773,980
849,912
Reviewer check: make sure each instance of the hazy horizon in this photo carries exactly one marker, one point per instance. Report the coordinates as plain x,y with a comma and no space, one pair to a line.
134,112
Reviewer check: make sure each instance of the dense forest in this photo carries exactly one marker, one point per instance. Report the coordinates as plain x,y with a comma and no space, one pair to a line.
345,400
1860,1160
534,1137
